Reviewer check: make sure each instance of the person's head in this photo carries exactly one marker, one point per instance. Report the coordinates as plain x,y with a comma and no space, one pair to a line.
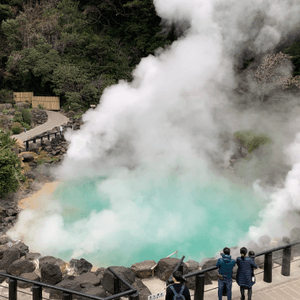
243,252
251,253
226,251
177,275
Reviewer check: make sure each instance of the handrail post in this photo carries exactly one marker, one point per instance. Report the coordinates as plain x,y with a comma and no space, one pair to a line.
286,261
27,146
268,267
48,137
116,286
199,287
12,289
36,292
34,141
134,296
180,269
66,296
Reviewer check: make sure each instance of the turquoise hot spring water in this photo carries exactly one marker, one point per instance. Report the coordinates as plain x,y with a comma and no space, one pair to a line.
205,219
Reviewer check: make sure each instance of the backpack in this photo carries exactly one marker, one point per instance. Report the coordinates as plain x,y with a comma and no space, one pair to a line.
178,296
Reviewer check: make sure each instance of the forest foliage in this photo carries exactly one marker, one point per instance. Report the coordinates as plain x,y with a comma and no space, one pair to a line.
75,49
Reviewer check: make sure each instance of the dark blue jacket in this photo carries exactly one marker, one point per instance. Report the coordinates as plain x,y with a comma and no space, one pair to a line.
225,265
244,272
177,287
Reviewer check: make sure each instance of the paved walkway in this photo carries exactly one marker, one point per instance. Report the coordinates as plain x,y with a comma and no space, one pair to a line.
54,119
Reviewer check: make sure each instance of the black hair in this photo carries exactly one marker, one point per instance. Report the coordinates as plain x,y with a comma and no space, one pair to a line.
251,253
178,276
243,251
226,251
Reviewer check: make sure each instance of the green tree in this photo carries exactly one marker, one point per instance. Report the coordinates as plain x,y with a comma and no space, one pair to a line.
10,169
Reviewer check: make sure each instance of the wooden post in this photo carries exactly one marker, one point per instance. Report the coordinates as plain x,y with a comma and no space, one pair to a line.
116,287
286,261
27,146
268,268
34,140
36,292
48,137
12,289
199,287
180,269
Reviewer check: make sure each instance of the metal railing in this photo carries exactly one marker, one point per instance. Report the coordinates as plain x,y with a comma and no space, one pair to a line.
66,293
199,283
43,136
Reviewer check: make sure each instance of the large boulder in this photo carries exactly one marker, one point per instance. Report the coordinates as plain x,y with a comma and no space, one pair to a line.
51,274
295,237
21,266
88,278
4,239
264,240
32,255
108,278
50,260
211,275
22,105
165,267
3,248
94,291
192,266
144,292
22,247
9,256
143,269
67,284
100,271
80,265
29,276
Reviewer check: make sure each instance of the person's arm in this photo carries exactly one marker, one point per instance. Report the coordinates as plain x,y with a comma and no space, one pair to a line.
187,294
253,264
168,294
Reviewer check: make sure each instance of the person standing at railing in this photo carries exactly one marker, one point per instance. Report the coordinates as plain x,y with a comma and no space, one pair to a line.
177,291
225,265
244,273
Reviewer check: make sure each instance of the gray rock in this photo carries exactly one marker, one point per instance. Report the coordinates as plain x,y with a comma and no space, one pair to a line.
100,271
95,291
143,269
108,278
80,265
3,248
32,256
264,240
88,278
4,240
21,266
5,106
22,247
30,174
192,266
9,256
212,275
9,219
50,260
144,292
67,284
30,276
165,267
51,274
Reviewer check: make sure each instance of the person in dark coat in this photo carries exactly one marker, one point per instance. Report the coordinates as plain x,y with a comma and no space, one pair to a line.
178,284
225,265
244,273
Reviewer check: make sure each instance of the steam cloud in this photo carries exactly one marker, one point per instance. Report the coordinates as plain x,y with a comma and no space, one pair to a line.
172,119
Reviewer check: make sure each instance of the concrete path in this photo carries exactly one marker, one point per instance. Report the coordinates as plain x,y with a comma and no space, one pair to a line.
54,119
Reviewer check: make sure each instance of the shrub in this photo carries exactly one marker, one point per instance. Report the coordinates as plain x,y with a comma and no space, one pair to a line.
6,96
25,125
251,140
40,106
5,111
16,130
18,117
26,116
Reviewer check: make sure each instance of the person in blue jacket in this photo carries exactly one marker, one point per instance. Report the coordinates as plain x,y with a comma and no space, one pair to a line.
225,265
244,273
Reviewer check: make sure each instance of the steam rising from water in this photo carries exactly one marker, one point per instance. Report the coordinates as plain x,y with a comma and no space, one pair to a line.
147,157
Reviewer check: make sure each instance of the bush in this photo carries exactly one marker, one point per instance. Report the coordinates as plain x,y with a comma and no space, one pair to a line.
6,96
18,117
25,125
5,111
40,106
26,116
251,140
16,130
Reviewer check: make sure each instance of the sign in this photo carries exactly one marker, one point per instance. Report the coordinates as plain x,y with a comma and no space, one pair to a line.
156,296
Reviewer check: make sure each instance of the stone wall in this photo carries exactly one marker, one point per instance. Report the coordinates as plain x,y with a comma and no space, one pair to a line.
38,117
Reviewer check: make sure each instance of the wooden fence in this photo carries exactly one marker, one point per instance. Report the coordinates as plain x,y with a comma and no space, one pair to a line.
50,103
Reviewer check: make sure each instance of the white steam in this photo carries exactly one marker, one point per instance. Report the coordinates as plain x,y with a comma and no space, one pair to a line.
169,121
